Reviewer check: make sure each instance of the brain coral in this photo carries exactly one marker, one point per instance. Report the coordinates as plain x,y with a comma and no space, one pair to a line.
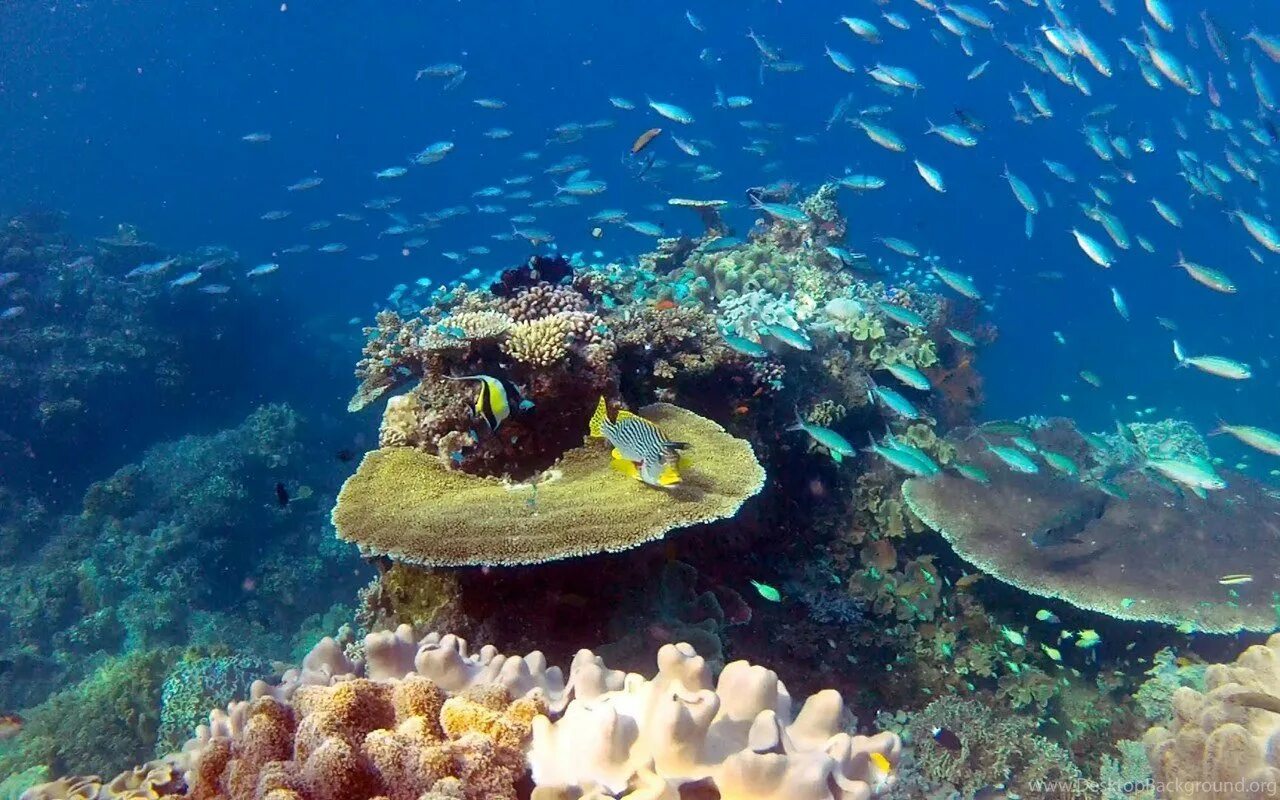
429,720
1223,742
410,506
1145,558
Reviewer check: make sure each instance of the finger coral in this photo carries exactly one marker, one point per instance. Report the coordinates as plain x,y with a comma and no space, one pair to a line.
1223,742
407,505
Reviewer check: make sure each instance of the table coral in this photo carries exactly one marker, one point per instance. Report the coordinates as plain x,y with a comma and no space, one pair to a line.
1145,558
408,505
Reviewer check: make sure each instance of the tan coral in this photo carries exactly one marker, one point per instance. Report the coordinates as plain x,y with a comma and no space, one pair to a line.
409,506
738,735
479,324
429,720
544,300
1217,749
541,342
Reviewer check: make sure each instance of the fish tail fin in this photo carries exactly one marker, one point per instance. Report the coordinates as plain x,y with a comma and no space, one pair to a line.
559,188
1221,429
598,419
669,476
798,425
1179,354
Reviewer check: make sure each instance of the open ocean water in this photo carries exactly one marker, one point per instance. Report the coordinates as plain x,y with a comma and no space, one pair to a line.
338,159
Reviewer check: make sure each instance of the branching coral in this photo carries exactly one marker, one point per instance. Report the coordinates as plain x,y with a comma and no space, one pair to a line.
994,750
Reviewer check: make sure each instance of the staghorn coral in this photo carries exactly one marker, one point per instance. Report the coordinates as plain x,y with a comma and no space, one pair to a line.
409,506
547,340
1221,743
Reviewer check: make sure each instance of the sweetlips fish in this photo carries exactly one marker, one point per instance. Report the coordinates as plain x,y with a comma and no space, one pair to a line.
640,449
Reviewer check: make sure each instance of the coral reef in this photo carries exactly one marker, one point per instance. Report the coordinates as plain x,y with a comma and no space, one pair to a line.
185,547
1221,742
408,505
736,736
415,719
994,750
1145,558
106,722
198,683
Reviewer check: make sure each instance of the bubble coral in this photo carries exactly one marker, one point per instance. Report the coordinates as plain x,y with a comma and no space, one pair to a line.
408,505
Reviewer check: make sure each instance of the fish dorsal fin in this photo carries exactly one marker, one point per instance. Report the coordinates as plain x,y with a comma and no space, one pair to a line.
598,419
624,414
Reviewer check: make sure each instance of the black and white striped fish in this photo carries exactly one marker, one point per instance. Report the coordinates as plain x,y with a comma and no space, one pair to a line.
639,446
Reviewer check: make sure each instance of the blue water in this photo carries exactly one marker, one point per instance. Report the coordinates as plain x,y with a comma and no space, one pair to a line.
134,113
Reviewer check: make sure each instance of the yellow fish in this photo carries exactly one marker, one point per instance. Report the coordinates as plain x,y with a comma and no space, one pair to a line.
492,402
640,449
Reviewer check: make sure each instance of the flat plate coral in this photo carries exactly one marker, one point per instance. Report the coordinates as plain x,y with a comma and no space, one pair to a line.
407,505
1154,557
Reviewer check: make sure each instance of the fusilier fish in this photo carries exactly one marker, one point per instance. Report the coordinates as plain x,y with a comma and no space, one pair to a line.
1220,366
838,446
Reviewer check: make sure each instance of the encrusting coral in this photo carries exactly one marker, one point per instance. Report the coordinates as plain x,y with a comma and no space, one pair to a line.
410,506
429,719
1223,742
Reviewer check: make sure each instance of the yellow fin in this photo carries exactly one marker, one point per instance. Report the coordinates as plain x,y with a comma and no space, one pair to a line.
881,762
626,467
598,419
616,453
625,414
669,476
